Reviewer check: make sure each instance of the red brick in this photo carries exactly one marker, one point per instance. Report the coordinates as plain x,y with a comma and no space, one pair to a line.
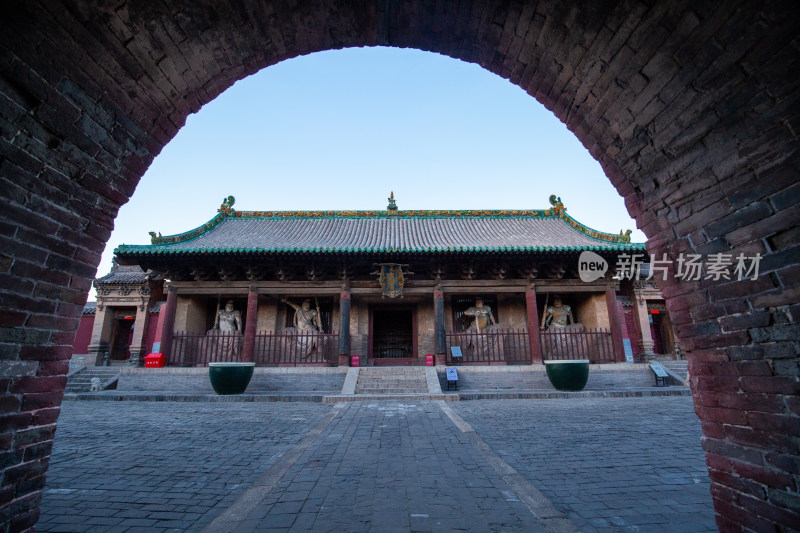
734,517
12,319
16,420
25,471
53,368
755,402
761,440
45,353
738,483
29,384
721,416
778,423
764,475
38,451
755,319
41,400
9,404
34,435
774,384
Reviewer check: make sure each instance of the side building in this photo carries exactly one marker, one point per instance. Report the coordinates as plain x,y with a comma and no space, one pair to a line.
373,288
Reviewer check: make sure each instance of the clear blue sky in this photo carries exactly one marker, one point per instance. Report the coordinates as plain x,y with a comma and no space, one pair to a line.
341,129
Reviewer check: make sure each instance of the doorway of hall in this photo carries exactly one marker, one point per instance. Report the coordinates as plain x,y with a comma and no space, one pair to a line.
122,334
393,335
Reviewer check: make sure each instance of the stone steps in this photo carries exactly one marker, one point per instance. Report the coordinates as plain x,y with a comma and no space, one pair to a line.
391,380
82,381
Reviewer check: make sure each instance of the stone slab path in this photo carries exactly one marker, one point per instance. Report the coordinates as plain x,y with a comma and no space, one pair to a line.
580,464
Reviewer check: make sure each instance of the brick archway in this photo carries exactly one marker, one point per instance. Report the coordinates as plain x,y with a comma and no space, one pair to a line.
691,110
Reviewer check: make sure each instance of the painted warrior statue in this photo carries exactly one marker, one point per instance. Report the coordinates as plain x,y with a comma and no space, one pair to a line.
557,315
482,315
562,342
483,322
227,332
228,319
307,321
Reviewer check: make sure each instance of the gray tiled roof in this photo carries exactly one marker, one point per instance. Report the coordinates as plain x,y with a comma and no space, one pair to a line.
244,232
126,274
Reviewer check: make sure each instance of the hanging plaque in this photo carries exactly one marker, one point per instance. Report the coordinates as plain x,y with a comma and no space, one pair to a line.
391,280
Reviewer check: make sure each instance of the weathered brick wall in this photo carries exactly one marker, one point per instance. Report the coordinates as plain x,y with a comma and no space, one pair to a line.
691,108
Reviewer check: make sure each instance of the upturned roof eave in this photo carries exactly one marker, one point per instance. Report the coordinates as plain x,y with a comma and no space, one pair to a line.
133,250
167,245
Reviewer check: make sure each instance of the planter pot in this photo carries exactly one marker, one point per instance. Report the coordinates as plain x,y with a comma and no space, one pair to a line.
230,378
568,375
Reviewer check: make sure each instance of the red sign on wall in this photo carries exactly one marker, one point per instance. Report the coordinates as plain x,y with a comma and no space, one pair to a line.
355,360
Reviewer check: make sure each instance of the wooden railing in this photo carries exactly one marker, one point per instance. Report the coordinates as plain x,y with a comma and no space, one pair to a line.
497,346
199,349
271,349
595,345
296,349
513,347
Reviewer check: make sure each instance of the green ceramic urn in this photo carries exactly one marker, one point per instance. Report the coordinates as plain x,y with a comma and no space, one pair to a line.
568,375
230,378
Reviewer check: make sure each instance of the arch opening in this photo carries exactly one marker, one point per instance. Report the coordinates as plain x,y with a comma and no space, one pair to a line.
700,142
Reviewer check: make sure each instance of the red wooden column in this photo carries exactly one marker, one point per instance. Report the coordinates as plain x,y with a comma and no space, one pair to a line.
166,323
616,324
249,343
438,328
534,339
344,328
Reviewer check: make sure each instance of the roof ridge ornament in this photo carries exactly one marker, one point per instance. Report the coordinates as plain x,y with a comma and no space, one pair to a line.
392,207
558,205
227,206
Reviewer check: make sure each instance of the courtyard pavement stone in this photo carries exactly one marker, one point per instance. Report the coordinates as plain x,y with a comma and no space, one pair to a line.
608,464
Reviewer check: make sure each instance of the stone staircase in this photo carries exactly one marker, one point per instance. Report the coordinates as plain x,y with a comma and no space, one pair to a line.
82,381
392,380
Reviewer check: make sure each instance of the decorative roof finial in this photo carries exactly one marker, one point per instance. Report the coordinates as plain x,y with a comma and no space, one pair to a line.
392,207
227,206
558,206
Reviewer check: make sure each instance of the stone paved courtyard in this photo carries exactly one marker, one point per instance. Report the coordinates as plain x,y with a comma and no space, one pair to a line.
601,464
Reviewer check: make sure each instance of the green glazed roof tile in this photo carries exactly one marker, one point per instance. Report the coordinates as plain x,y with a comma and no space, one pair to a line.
378,231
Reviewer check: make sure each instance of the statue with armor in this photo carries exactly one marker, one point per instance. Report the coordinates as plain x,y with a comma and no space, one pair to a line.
482,315
557,315
307,326
226,335
228,319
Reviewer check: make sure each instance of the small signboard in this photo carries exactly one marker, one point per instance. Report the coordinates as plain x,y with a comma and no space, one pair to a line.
452,378
659,370
626,344
455,351
661,374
